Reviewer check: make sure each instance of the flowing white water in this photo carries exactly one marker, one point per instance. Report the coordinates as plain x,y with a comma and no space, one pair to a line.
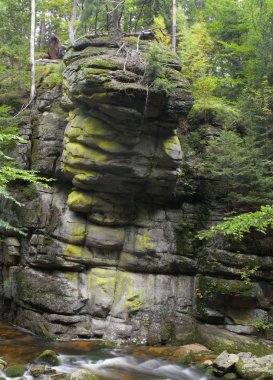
116,367
17,346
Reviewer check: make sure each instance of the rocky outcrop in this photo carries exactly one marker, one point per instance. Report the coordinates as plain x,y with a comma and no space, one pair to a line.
245,365
109,251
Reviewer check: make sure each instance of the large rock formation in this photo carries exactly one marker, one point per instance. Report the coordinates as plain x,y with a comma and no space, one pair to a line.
109,251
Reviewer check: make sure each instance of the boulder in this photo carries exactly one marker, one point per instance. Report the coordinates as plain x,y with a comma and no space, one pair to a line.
83,374
225,362
49,357
16,370
37,370
255,368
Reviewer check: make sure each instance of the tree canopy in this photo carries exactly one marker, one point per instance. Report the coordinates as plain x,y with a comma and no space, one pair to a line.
226,52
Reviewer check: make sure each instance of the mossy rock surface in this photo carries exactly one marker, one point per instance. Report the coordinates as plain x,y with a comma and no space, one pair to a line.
255,368
218,340
49,357
16,370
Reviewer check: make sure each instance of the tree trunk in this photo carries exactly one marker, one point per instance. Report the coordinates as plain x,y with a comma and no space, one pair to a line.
115,21
42,32
107,18
116,15
72,22
174,27
32,51
96,17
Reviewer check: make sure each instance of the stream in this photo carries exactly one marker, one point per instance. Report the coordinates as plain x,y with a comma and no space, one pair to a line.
19,347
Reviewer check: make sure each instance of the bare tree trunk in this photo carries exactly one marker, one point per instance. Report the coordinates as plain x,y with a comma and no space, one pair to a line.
42,32
96,17
115,20
174,27
107,18
116,15
130,22
32,51
72,22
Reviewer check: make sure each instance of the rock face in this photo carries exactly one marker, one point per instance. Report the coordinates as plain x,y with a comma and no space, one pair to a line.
109,250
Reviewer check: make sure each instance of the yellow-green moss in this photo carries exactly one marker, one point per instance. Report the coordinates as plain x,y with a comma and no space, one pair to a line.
76,153
49,75
92,126
72,276
96,76
73,250
49,357
16,370
41,71
105,278
106,63
212,286
71,115
81,174
101,285
170,145
98,97
76,232
87,177
128,294
108,146
53,80
80,201
144,242
76,251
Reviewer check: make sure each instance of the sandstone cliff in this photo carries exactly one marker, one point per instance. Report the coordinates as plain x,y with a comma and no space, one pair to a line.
109,251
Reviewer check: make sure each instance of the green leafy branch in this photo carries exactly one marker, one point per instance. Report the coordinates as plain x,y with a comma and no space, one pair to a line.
239,225
10,170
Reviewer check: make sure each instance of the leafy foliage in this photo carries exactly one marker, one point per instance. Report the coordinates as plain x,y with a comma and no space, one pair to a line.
156,71
9,169
226,52
239,225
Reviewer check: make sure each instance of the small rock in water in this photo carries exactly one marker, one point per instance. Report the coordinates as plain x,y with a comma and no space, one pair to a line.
207,363
49,357
83,374
16,370
58,376
37,370
3,363
230,376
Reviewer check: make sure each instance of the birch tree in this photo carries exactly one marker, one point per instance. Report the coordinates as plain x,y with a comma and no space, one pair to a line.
174,27
72,22
32,51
